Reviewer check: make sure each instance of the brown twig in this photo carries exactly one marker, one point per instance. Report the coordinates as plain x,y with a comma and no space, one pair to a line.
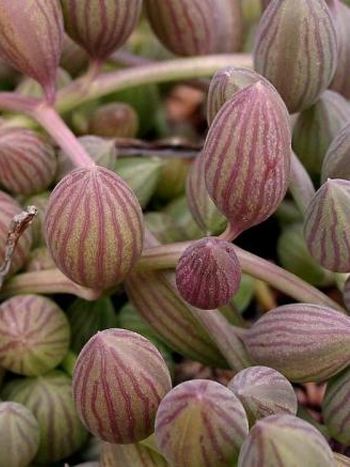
18,226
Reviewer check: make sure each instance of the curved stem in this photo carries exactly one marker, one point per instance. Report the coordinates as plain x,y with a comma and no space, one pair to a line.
167,256
177,69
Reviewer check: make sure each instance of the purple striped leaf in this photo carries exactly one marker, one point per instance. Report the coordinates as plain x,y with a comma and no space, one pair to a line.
114,120
130,455
286,441
31,37
200,423
27,162
340,81
247,153
336,162
49,398
316,128
202,208
336,407
263,392
100,27
94,227
208,273
326,227
304,342
196,27
34,335
8,209
19,440
225,84
118,382
296,49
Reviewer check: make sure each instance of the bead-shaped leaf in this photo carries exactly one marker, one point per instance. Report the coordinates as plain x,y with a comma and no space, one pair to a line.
340,81
316,128
336,161
304,342
296,49
118,382
100,27
200,423
247,153
27,162
287,441
130,455
263,392
208,273
114,120
31,36
327,229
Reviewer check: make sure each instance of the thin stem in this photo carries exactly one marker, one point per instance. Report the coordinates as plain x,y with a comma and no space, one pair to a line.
167,256
13,102
170,70
59,131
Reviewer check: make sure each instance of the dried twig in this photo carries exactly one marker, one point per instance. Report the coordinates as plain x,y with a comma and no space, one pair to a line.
18,226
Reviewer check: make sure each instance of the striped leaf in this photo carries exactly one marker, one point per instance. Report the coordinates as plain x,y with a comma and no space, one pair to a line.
8,209
202,208
286,441
304,342
340,81
196,27
326,227
200,423
336,161
316,128
49,398
114,120
118,382
129,455
34,335
98,26
19,440
247,153
208,273
336,407
263,392
31,36
27,162
296,49
94,227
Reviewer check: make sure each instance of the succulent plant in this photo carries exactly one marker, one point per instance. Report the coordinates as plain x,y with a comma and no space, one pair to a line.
237,156
102,151
200,423
304,342
296,49
114,120
100,27
316,128
340,81
225,84
119,381
173,177
40,201
285,440
336,408
326,227
34,334
202,208
295,257
94,210
208,273
141,174
31,36
27,162
49,398
19,439
8,209
190,27
130,455
87,318
263,392
336,161
30,87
